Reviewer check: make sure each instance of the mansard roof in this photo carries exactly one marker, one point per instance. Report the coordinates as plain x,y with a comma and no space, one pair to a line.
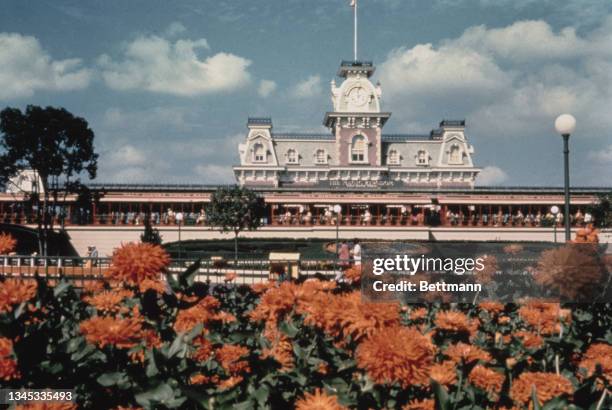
303,136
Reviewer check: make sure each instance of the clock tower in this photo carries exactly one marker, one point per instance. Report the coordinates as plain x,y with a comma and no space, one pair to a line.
356,119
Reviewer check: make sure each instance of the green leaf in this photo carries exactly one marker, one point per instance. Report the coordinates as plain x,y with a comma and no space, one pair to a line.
61,288
441,396
111,379
151,369
288,328
162,393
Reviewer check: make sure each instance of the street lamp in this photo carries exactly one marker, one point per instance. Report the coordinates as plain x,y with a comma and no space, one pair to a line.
565,124
179,218
554,210
338,212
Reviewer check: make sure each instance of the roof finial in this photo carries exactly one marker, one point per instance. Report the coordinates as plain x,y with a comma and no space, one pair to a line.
353,4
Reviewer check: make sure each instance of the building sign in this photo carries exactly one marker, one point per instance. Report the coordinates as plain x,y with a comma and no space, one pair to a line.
331,185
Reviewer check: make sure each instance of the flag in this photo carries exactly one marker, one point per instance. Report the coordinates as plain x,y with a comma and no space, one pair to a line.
353,3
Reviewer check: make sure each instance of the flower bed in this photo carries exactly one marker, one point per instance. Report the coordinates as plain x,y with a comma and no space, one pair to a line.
140,340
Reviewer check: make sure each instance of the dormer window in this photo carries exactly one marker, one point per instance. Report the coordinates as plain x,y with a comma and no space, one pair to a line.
320,156
259,153
455,156
393,157
422,158
359,147
292,156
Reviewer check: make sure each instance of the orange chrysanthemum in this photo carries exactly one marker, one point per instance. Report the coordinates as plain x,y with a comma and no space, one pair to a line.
353,274
275,303
493,308
574,271
396,354
425,404
93,286
544,317
262,287
6,347
547,387
14,292
8,366
204,312
155,285
47,406
7,243
463,352
151,340
530,340
134,262
200,379
598,354
109,301
318,400
487,379
453,321
230,358
203,349
418,314
282,352
444,373
122,333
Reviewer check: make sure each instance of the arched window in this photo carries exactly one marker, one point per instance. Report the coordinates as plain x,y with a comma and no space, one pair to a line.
358,149
320,156
292,156
455,156
393,157
422,157
259,153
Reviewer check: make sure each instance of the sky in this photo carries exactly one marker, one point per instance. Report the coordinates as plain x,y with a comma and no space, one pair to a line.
167,87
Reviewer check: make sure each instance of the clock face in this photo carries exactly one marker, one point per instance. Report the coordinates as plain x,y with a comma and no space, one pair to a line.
358,96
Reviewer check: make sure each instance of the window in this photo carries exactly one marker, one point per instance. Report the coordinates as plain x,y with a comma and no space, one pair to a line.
422,157
320,156
358,149
393,157
292,156
259,153
455,156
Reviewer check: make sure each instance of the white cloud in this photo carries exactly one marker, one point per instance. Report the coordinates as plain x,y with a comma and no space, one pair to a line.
156,64
25,67
491,175
126,156
307,88
266,87
175,28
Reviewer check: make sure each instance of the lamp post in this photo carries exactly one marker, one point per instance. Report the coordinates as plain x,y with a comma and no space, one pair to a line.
338,212
565,124
554,210
179,218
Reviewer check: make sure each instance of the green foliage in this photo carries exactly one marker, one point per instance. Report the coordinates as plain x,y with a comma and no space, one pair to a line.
602,211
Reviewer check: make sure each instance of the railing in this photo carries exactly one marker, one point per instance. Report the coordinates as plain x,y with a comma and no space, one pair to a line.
213,270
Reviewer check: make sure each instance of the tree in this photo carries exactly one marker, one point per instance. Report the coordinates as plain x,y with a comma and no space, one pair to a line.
150,235
602,210
234,209
57,146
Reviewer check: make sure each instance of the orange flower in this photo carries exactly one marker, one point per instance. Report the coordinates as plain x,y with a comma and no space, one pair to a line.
6,347
14,292
467,353
547,387
530,340
494,308
109,301
318,400
544,317
486,379
275,303
7,243
93,286
259,288
598,354
153,284
396,354
151,339
204,349
574,271
489,270
134,262
418,314
204,312
455,322
203,379
229,357
230,382
122,333
8,369
444,373
47,406
353,274
282,352
425,404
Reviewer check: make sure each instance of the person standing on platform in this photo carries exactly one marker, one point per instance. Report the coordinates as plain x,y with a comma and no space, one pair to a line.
356,252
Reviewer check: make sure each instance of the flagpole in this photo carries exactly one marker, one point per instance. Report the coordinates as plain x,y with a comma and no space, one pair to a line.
355,30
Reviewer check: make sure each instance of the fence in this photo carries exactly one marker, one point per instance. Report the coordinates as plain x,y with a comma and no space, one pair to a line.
213,270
